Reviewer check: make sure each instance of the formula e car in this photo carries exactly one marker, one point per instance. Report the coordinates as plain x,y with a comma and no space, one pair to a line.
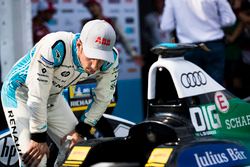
192,121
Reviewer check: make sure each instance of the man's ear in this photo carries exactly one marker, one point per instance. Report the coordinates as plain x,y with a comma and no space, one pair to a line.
78,43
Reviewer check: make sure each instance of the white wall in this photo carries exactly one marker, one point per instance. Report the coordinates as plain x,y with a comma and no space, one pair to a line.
15,32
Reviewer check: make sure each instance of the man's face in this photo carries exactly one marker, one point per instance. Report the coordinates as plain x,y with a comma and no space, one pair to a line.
88,64
95,10
47,15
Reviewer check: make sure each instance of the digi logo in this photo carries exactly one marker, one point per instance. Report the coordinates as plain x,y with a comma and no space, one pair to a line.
205,119
8,153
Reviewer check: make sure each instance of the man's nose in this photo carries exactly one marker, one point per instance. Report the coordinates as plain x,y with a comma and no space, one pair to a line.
95,65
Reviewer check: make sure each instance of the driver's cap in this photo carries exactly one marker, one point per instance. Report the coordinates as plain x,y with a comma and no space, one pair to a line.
98,39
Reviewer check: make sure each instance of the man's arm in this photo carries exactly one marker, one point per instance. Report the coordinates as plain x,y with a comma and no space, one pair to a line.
227,16
235,34
244,17
39,82
128,48
148,30
168,18
104,91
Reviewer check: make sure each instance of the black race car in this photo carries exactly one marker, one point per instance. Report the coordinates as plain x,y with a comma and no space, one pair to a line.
192,121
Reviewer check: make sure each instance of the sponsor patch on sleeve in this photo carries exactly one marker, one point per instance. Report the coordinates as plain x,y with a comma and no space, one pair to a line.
58,52
46,61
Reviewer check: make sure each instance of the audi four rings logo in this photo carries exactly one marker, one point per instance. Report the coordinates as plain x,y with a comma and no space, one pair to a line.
193,79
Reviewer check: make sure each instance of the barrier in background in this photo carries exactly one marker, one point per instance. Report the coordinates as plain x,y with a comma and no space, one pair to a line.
16,39
15,32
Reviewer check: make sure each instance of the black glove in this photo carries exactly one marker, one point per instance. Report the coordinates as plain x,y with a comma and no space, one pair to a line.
84,130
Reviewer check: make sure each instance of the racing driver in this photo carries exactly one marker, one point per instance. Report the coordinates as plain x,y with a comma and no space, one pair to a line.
32,97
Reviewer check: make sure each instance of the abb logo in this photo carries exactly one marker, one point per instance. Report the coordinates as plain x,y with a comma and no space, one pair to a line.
102,41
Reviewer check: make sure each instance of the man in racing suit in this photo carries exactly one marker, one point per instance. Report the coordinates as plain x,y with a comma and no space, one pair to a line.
32,93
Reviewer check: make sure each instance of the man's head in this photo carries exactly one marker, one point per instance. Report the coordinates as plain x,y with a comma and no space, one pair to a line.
95,45
94,8
45,10
158,5
87,3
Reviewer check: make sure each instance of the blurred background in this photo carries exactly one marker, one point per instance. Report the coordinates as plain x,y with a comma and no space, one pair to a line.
24,22
137,24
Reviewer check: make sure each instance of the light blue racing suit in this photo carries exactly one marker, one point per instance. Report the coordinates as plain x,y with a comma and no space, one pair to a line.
32,92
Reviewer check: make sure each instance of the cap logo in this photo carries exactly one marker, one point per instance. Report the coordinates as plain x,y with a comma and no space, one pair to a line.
102,41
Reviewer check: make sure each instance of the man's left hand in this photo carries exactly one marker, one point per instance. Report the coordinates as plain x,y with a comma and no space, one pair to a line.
76,137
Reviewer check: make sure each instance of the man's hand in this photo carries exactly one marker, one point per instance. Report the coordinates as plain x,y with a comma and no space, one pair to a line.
244,17
35,153
75,138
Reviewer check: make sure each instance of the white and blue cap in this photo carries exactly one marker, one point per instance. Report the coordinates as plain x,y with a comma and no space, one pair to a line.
98,39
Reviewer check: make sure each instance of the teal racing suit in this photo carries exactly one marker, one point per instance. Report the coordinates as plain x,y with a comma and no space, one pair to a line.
32,92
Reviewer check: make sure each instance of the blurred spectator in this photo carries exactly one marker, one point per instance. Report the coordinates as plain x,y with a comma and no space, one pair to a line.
244,18
44,14
95,9
233,61
96,12
153,36
201,21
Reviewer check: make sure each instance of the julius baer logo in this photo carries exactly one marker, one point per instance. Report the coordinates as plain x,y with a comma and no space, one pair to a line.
227,156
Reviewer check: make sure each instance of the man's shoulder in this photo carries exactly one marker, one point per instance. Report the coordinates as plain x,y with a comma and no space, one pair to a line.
53,38
54,45
59,35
